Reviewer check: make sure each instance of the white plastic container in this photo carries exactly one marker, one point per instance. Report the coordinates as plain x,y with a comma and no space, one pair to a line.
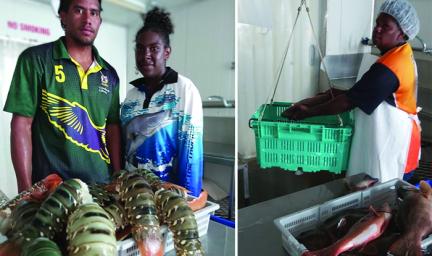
128,247
296,223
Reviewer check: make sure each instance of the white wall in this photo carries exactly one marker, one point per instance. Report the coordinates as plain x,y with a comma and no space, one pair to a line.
347,21
202,45
111,43
261,43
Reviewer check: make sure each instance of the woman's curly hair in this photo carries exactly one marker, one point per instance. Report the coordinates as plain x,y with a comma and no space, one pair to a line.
157,20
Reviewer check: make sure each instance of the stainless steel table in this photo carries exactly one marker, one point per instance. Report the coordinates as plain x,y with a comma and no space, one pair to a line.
219,241
257,234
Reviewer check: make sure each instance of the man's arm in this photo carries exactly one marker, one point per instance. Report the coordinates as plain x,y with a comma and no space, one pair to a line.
21,150
114,145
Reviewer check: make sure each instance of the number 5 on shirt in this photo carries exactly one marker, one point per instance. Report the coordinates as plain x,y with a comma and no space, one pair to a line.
59,74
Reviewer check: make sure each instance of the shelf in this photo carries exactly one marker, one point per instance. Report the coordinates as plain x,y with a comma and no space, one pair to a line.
219,112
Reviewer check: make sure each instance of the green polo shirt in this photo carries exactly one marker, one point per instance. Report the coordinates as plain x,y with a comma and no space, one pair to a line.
70,110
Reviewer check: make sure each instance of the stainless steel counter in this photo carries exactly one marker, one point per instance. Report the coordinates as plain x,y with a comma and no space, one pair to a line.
219,241
257,234
219,153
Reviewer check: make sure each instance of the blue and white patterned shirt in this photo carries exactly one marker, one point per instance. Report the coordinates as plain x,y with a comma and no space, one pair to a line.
167,136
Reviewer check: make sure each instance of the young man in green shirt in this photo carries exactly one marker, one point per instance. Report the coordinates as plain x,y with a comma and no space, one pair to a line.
65,103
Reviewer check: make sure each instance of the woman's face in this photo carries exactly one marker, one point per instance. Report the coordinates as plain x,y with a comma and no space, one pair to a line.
387,33
151,54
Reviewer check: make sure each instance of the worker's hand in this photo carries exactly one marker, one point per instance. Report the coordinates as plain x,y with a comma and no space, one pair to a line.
296,112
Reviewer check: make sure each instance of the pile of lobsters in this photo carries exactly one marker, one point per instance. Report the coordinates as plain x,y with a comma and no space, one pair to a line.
72,218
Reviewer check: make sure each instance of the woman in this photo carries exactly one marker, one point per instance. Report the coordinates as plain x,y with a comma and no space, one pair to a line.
386,142
162,115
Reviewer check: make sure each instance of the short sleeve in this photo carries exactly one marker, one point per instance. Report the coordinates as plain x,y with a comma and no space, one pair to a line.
25,86
376,85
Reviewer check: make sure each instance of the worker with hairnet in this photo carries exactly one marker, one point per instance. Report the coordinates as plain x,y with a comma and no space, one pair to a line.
386,140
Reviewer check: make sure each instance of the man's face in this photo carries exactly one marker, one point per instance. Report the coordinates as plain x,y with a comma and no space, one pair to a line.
387,33
151,54
82,21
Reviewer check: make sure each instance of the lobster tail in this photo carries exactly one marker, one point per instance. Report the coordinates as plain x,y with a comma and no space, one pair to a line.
150,177
21,217
181,221
110,204
57,207
41,246
148,240
138,198
90,232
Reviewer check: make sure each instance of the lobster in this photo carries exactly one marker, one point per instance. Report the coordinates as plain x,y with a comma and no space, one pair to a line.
91,232
50,219
115,210
138,199
175,212
41,246
38,192
20,217
157,184
57,207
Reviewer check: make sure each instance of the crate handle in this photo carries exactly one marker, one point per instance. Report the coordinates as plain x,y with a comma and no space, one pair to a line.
301,129
250,122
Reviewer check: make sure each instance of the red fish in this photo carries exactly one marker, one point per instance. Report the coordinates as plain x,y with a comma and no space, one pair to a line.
415,220
365,230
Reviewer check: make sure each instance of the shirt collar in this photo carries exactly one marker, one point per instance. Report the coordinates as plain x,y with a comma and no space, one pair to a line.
170,77
60,52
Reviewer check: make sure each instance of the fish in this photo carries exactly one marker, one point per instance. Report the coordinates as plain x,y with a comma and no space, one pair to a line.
414,217
315,239
360,184
380,245
339,225
365,230
143,127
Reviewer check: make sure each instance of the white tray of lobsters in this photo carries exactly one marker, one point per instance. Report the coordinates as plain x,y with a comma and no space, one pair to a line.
136,214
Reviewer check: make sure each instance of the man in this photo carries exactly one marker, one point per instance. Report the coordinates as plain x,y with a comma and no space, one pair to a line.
386,142
65,103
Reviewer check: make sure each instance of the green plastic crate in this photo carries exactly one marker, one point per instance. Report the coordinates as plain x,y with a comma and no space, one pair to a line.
310,145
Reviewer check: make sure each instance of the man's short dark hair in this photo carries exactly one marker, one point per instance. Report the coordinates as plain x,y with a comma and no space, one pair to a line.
64,5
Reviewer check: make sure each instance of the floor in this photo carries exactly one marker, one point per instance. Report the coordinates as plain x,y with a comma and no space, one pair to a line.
265,184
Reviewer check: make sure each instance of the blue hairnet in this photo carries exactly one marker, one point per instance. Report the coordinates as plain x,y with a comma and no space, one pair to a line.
405,15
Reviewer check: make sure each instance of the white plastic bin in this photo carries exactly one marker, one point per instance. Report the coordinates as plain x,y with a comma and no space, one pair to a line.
296,223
